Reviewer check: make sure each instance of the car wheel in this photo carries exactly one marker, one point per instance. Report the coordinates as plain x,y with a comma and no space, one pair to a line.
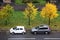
46,32
23,33
12,33
35,33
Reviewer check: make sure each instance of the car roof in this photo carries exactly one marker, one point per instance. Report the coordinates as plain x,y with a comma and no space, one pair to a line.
20,26
44,25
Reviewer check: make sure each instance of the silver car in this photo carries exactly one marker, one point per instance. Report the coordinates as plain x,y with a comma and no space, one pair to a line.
41,29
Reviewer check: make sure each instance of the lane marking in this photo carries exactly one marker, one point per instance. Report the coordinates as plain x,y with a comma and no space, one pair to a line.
22,38
52,38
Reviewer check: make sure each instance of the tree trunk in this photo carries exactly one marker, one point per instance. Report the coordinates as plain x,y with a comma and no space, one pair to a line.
29,20
49,21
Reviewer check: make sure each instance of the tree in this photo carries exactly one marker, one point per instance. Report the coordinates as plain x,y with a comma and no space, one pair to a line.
30,12
49,11
6,12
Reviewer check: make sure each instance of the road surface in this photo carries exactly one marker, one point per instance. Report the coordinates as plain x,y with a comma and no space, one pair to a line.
29,36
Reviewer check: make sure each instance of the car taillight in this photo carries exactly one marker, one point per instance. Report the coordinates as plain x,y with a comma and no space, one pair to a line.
49,28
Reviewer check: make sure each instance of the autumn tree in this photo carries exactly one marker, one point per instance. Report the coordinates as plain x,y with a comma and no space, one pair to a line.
49,11
6,12
30,12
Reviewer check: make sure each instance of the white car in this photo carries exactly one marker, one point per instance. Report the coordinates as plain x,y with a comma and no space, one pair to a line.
18,29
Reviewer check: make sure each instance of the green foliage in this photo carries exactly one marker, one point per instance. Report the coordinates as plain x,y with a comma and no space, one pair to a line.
10,18
18,20
18,2
35,1
42,2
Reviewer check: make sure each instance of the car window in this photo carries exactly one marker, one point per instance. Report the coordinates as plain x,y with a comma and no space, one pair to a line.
17,28
21,28
43,28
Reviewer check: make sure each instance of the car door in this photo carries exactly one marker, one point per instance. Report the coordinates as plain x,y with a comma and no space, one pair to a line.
21,30
39,30
42,30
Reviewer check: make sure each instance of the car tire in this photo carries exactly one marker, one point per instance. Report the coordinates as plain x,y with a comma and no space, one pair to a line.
46,32
12,33
35,33
23,33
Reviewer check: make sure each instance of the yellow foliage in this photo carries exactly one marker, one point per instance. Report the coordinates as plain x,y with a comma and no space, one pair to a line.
4,12
50,11
30,11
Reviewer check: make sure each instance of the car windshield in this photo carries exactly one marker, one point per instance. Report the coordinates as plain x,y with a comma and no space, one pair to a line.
41,25
14,27
36,27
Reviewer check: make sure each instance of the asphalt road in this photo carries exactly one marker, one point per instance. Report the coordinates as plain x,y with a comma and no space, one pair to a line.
29,36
